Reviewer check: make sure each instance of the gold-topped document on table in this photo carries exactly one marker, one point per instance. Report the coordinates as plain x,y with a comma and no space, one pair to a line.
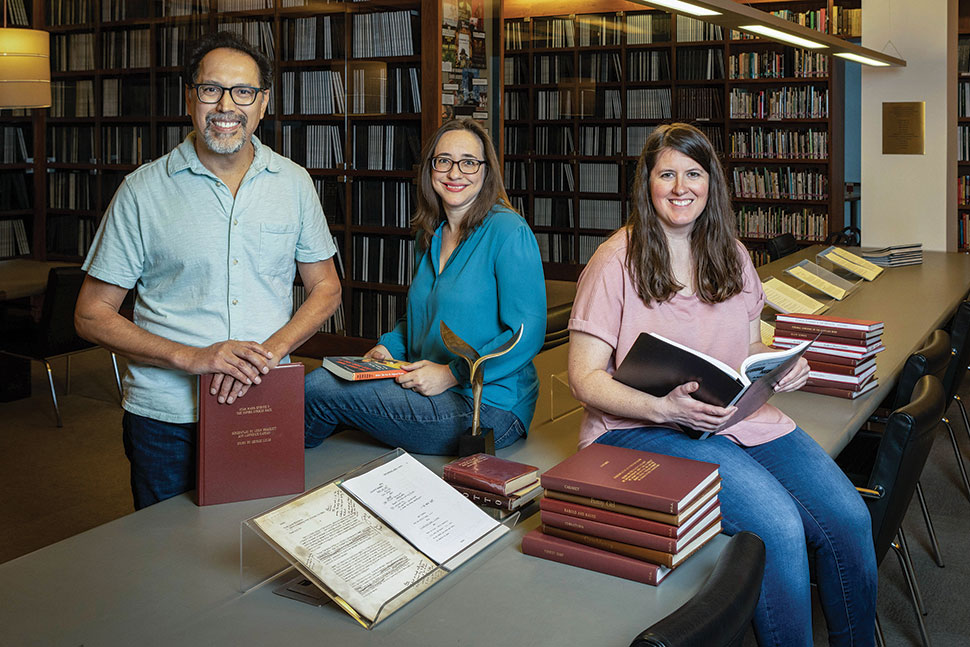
784,298
803,274
854,263
767,333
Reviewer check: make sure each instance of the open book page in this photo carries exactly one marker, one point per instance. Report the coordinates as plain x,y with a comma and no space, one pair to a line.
855,264
767,333
362,561
760,364
784,298
422,508
817,282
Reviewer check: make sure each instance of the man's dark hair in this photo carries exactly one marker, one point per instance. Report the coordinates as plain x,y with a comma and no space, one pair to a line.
218,39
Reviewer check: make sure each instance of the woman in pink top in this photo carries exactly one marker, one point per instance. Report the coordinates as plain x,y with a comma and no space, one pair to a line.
677,269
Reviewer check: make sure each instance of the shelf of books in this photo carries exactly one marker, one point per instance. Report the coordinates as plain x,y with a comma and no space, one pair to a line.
582,92
963,127
346,103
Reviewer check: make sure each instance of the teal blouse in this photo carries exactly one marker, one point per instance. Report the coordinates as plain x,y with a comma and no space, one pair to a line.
491,284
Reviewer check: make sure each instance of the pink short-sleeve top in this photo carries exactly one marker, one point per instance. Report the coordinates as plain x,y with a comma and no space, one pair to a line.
607,306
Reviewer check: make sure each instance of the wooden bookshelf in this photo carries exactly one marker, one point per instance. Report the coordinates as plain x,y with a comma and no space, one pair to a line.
963,127
348,85
582,91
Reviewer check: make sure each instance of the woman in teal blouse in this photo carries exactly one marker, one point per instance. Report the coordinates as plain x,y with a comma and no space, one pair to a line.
479,271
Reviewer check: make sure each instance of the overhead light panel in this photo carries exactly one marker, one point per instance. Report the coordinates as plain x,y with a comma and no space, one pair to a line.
777,34
684,7
861,59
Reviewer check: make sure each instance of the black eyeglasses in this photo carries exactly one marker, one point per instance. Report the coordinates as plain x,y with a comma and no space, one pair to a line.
242,95
466,166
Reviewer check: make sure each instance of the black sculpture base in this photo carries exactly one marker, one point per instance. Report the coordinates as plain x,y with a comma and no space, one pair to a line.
483,443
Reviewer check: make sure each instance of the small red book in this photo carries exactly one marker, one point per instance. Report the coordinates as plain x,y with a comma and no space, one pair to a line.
632,477
490,473
252,448
537,544
841,393
358,368
514,501
589,513
827,321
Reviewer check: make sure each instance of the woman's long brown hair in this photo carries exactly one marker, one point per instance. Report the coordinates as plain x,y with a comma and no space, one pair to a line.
429,213
717,265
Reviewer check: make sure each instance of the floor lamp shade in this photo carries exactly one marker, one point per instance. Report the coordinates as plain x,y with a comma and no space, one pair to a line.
25,70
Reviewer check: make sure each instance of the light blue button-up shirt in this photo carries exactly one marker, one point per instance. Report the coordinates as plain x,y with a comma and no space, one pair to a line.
207,266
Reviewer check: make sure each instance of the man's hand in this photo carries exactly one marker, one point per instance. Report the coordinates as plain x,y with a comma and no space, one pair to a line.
235,364
427,378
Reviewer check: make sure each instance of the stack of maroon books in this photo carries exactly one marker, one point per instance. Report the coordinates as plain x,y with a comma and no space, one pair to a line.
494,482
842,358
625,512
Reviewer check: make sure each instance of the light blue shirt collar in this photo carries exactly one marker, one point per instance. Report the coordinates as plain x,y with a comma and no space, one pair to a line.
184,156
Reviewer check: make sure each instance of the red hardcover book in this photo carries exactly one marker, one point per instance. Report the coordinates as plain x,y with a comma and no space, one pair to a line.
781,340
841,393
853,360
252,448
490,473
358,368
821,378
826,354
841,369
628,535
832,384
632,477
679,519
807,331
537,544
558,506
827,321
862,342
512,502
670,560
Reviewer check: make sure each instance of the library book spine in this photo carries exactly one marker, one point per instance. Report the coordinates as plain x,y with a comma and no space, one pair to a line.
537,544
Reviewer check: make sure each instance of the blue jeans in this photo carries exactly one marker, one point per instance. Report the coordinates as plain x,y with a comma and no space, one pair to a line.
397,416
162,457
792,495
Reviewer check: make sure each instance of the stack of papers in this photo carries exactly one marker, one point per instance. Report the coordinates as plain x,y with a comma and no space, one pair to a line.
895,255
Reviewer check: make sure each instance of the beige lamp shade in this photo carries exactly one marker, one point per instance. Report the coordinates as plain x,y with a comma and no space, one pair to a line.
25,71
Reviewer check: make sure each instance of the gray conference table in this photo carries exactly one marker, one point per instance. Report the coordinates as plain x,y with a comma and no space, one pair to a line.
169,574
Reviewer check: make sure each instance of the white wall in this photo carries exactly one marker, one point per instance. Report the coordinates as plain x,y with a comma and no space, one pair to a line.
910,198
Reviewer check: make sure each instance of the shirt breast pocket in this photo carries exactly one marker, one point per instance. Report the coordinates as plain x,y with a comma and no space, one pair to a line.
277,248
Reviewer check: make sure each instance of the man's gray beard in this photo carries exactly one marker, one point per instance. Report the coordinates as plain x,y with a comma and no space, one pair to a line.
224,145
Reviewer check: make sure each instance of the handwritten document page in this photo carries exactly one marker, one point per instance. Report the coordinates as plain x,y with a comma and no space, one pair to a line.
817,282
853,263
360,559
786,299
422,508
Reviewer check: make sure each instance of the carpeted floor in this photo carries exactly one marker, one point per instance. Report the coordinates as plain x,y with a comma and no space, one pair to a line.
60,482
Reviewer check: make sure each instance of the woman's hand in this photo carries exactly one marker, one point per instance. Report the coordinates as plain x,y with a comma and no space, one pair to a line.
794,379
378,352
678,406
427,378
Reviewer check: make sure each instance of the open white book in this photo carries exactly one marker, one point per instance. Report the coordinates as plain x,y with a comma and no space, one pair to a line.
657,365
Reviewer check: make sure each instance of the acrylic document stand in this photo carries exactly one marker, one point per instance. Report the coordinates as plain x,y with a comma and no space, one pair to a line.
263,558
847,265
821,279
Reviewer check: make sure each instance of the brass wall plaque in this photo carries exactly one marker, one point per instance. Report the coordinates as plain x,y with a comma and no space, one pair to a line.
903,126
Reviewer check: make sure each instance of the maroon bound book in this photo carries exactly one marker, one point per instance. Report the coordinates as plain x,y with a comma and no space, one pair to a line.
567,552
490,473
830,367
836,357
252,448
840,393
632,477
782,331
682,518
805,331
627,535
830,381
512,502
828,321
585,512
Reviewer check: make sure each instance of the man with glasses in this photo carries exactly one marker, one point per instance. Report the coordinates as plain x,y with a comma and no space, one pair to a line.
211,236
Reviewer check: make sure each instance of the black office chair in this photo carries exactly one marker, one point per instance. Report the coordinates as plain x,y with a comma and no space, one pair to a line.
720,613
54,336
959,364
557,325
856,460
903,449
782,245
